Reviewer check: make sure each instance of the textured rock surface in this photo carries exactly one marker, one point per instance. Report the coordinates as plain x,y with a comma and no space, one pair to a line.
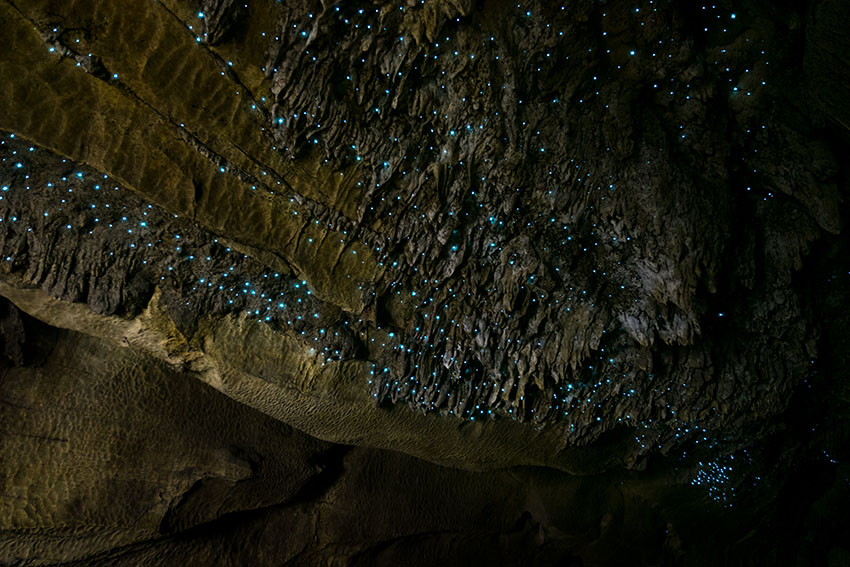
591,237
114,458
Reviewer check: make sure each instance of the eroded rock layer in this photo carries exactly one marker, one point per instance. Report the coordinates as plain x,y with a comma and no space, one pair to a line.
583,236
573,234
112,457
588,214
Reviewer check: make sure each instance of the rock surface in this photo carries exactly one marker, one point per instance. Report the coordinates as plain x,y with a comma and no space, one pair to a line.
604,239
114,458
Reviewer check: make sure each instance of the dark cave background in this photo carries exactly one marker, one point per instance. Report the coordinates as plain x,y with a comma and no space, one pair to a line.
424,283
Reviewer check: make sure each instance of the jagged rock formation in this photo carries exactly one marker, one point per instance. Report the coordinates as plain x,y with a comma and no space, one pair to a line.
592,237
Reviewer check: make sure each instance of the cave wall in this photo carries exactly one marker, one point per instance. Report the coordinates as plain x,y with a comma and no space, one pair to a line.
113,457
601,238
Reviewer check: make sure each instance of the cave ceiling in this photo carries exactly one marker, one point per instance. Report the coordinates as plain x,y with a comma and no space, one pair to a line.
585,236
